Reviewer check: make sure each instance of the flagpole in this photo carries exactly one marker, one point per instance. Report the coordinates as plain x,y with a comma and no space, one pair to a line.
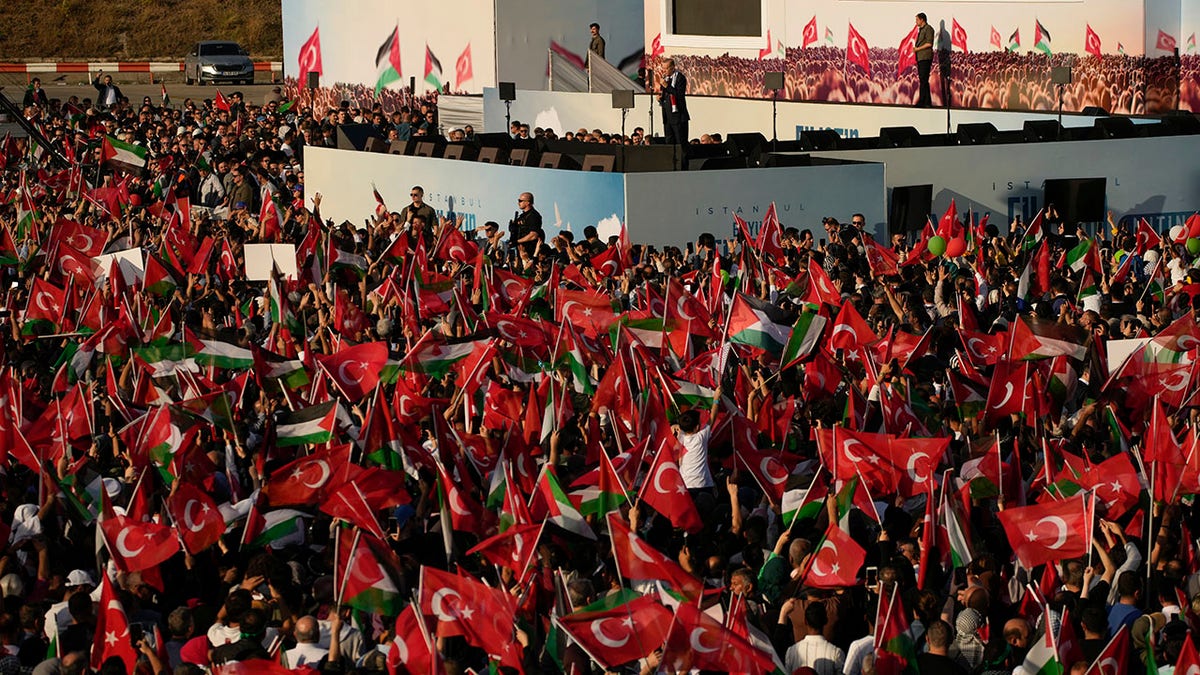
341,593
1000,470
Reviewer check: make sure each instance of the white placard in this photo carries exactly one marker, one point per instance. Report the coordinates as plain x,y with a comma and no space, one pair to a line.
130,260
262,258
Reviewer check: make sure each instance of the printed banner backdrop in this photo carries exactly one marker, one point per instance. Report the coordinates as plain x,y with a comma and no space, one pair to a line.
1006,180
353,32
1010,48
659,208
674,208
567,200
569,111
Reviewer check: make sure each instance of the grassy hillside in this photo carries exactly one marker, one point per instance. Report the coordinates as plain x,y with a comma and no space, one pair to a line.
135,29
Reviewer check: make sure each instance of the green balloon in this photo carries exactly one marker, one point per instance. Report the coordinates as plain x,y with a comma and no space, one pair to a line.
937,245
1193,245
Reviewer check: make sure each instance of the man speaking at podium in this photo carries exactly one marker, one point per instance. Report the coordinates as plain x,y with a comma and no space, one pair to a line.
672,96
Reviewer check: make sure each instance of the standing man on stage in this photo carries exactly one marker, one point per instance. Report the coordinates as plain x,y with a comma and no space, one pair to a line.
923,49
597,45
673,98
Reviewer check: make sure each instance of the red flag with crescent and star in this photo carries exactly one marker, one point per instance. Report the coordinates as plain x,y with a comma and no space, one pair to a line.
1047,532
355,369
908,58
464,67
197,518
310,55
996,39
857,50
836,561
958,35
1091,42
112,630
810,33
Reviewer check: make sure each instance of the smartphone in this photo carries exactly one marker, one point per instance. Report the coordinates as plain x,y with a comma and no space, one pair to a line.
872,576
689,248
822,243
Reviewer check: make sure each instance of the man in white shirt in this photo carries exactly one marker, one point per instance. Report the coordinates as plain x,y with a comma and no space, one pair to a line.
306,652
693,464
814,650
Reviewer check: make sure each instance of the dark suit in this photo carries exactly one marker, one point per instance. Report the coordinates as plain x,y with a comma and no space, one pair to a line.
35,97
673,99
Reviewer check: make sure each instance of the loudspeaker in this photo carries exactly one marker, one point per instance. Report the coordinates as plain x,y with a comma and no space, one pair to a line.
521,157
1041,131
601,163
910,208
397,147
1181,122
1077,200
507,91
313,80
1094,111
819,139
431,148
354,136
375,144
716,163
898,137
977,133
773,80
1060,75
464,150
778,159
748,145
491,155
557,160
643,158
622,99
1115,127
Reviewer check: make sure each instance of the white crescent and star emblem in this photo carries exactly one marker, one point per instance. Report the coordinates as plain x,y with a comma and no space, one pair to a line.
1174,381
124,550
404,399
666,468
401,648
610,642
912,464
188,521
345,378
1187,343
765,467
698,644
325,473
639,552
1060,527
41,302
846,449
1008,392
846,328
85,237
679,309
438,605
817,559
457,505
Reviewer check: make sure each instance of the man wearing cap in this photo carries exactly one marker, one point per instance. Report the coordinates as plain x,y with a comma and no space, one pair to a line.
58,616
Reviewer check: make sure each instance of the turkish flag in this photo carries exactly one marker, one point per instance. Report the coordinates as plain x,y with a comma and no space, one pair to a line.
112,630
656,48
88,240
607,263
1047,532
1091,42
220,103
820,286
310,55
1010,390
463,70
908,57
513,548
1147,238
591,312
462,606
836,561
622,634
638,561
1114,658
196,516
699,642
47,302
983,349
857,50
1165,42
74,264
410,652
1189,658
850,330
665,491
454,246
810,33
1115,483
307,479
958,35
349,504
355,370
136,545
915,461
996,39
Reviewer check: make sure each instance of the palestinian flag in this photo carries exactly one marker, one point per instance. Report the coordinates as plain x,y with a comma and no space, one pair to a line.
828,35
339,259
433,356
8,248
1041,38
758,325
387,61
609,495
290,373
894,648
803,504
369,571
124,156
313,424
276,528
804,338
166,98
1042,657
433,69
561,511
1120,49
1014,40
221,354
953,534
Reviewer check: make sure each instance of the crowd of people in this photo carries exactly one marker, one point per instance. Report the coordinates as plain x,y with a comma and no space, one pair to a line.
999,79
436,450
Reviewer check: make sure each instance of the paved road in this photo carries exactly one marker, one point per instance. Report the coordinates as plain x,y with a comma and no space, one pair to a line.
135,86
